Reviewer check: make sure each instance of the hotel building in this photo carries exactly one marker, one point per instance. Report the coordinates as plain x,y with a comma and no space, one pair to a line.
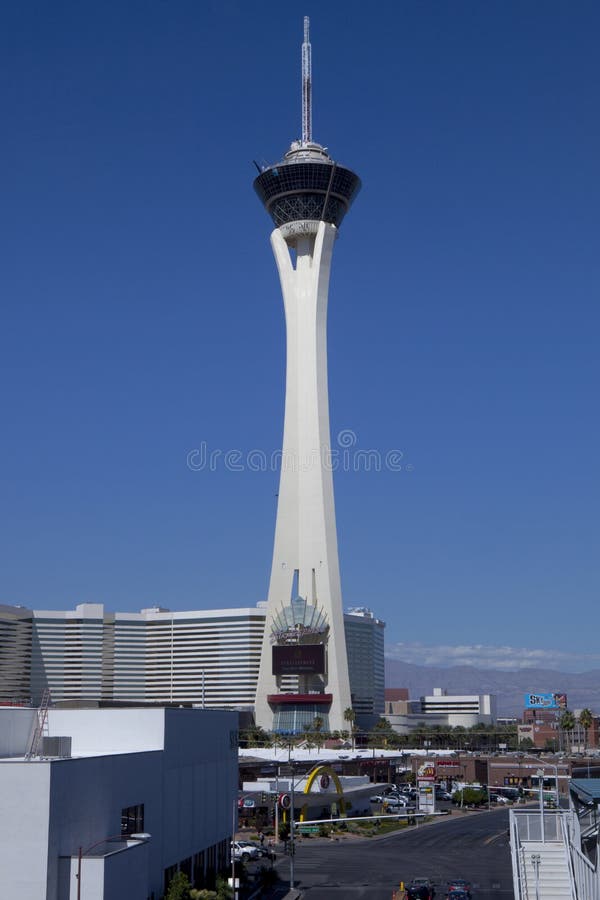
203,657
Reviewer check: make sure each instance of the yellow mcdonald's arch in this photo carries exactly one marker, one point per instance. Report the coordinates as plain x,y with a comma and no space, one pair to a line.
312,777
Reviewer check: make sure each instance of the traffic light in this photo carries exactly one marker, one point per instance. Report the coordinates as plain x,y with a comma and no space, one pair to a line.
263,796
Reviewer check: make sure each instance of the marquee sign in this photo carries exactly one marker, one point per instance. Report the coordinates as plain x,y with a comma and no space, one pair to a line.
298,659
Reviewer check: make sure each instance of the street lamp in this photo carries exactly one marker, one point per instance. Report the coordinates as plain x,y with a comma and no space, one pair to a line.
540,775
292,763
552,766
141,837
292,846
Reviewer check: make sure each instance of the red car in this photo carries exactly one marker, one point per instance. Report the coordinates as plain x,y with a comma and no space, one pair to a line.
459,889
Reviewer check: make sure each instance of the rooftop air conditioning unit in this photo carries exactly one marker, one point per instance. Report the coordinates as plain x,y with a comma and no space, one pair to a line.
56,746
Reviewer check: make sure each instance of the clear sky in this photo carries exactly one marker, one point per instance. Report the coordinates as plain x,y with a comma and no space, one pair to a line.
142,316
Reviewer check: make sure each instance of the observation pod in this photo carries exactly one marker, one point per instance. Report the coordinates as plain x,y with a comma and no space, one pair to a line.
307,186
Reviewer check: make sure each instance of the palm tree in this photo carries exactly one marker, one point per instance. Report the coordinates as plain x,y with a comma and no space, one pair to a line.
381,733
586,720
317,725
350,716
567,724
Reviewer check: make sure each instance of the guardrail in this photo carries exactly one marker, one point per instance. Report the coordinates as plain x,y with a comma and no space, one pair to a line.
516,858
559,827
585,876
529,826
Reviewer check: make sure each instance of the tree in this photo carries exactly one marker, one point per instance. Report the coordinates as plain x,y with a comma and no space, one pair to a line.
350,717
469,796
317,726
567,724
255,737
381,733
308,742
179,887
586,720
223,892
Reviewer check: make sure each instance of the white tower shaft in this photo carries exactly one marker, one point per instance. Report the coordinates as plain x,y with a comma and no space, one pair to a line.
305,532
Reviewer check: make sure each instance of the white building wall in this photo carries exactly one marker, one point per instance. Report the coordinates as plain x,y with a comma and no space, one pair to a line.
24,829
95,732
481,706
86,799
48,809
15,728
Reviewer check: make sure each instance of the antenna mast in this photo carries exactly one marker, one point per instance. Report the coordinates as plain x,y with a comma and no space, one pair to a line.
306,86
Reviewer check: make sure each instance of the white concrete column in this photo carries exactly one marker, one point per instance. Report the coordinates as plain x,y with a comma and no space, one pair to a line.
305,531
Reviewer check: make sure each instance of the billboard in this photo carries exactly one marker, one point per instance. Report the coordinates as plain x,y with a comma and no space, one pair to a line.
545,701
426,796
298,659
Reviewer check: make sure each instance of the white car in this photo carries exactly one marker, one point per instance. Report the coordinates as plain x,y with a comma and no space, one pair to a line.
243,851
398,802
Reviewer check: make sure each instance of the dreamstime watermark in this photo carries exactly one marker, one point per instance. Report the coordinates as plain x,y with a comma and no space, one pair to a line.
345,457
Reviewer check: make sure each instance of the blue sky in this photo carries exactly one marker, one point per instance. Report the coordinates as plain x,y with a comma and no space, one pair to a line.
142,316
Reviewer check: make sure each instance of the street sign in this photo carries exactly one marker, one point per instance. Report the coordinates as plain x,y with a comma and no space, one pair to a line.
285,801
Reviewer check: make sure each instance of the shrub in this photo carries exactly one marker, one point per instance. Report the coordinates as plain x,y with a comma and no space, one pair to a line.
470,797
179,888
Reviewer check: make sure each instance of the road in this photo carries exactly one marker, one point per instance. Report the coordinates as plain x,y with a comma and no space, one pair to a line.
473,846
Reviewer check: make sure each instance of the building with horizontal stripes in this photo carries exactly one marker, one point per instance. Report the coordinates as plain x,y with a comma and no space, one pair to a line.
207,658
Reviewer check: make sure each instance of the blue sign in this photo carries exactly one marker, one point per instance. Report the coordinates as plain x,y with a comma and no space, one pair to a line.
541,701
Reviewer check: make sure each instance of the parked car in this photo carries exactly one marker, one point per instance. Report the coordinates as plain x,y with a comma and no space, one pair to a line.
420,889
262,850
243,851
459,887
398,802
377,798
498,798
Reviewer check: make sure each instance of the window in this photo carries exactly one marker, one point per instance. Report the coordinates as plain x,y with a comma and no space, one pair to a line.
132,819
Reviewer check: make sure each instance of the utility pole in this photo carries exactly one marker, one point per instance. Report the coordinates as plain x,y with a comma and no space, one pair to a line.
277,805
292,845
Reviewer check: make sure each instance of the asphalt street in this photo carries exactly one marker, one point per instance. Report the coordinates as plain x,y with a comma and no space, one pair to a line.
473,846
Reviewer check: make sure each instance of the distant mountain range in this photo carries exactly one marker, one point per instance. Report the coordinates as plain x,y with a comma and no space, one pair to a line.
583,690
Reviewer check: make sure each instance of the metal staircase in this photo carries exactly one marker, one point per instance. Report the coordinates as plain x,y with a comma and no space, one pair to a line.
545,871
547,860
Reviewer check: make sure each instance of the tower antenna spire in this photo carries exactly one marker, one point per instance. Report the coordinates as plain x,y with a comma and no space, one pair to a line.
306,85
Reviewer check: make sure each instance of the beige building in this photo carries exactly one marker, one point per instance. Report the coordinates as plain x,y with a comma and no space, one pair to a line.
439,708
